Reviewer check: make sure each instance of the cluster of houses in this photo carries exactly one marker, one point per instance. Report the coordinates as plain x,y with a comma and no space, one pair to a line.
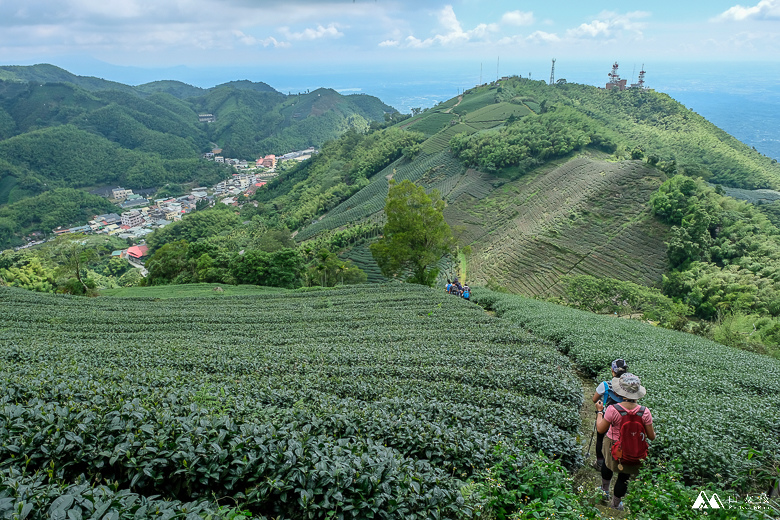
127,199
239,184
267,163
136,223
143,216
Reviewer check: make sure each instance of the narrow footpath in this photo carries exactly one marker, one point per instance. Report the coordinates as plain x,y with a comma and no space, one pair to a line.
587,476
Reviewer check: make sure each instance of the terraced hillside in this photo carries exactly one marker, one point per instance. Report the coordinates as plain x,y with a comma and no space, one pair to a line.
293,404
582,216
585,216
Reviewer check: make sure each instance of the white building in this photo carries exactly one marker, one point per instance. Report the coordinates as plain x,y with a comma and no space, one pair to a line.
132,218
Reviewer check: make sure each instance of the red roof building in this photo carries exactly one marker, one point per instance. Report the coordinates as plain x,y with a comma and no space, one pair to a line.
138,251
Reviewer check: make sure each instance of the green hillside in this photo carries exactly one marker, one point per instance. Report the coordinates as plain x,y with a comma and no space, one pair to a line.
632,119
545,182
45,73
586,216
59,130
291,404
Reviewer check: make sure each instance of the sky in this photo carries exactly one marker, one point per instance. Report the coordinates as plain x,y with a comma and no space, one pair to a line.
101,37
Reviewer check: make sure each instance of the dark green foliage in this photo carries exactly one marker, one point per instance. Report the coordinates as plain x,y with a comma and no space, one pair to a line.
68,157
293,404
282,268
724,254
252,122
119,126
735,409
200,224
415,237
26,271
328,270
529,487
212,246
532,141
167,263
7,124
49,210
609,296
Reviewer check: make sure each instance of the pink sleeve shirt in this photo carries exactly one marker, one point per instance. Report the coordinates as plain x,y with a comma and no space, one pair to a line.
613,417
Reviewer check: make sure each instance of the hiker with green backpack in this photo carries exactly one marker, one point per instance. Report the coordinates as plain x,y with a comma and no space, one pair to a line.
628,427
607,397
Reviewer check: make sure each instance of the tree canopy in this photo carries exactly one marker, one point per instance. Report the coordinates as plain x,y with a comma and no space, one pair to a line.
415,237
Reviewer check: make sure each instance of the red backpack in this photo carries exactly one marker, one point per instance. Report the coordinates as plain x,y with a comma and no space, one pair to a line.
631,449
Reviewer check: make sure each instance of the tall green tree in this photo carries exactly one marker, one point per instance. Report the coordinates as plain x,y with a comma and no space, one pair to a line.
73,257
416,236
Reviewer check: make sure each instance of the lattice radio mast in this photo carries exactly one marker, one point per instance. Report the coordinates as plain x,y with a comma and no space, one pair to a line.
552,73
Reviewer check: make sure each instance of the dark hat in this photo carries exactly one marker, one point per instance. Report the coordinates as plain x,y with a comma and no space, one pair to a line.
619,365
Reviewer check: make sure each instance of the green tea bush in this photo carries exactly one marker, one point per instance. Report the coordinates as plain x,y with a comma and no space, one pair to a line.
347,402
660,494
709,401
532,486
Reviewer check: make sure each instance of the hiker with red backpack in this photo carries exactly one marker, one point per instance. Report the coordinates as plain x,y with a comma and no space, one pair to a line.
607,397
628,427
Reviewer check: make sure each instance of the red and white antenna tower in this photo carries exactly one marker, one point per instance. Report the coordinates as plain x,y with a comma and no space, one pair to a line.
641,81
614,77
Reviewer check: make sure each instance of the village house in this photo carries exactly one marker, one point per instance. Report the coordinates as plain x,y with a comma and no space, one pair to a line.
132,218
112,229
138,252
107,219
120,193
269,161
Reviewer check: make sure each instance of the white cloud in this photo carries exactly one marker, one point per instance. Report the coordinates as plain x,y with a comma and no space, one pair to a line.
609,24
764,10
543,37
331,31
453,31
389,43
518,18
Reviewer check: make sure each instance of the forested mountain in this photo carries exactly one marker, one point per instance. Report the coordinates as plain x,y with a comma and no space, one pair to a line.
60,130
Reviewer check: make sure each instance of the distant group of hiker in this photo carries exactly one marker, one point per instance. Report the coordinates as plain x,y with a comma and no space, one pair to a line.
625,425
455,287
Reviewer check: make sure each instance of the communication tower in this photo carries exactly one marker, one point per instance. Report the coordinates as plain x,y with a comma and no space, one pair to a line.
552,73
641,81
614,79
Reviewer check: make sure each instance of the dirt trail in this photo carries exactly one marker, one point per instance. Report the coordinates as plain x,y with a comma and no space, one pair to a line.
587,476
460,98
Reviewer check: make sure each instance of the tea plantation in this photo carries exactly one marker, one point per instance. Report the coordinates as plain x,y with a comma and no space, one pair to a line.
360,402
710,403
